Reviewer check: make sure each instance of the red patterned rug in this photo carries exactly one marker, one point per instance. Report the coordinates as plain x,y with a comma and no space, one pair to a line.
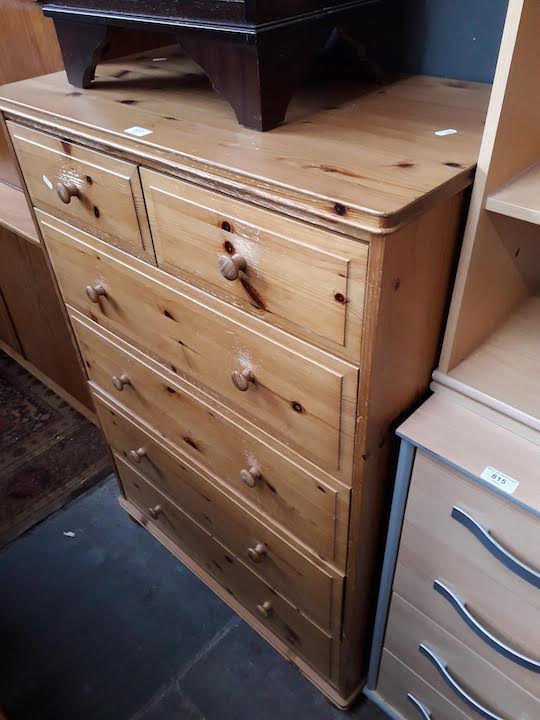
49,453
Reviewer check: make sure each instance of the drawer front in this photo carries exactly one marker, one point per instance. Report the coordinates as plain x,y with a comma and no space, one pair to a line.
311,587
297,277
410,696
303,506
453,669
305,396
259,598
445,571
108,200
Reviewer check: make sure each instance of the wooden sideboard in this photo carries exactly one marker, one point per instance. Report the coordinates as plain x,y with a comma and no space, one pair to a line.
255,312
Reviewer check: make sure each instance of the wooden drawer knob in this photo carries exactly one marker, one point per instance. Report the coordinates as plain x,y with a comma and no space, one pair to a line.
155,511
257,553
265,609
230,266
242,378
137,455
120,381
67,190
250,477
94,292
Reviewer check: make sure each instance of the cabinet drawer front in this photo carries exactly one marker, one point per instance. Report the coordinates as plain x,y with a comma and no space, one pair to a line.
236,578
303,506
441,562
305,396
283,271
108,200
309,586
409,695
452,668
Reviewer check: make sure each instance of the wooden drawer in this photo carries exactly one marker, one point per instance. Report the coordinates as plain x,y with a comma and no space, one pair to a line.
282,618
295,276
452,668
439,555
314,512
304,395
407,693
316,589
109,201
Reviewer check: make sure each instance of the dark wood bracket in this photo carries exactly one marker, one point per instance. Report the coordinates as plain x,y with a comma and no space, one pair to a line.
256,66
83,46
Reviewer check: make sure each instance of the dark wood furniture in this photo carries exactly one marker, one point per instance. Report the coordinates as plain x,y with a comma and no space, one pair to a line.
254,52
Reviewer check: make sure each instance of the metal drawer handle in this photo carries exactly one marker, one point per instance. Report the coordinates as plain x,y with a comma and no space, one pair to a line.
482,632
496,549
463,694
422,709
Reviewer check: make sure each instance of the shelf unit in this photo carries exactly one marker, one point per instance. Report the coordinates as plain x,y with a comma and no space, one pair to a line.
520,198
491,350
15,213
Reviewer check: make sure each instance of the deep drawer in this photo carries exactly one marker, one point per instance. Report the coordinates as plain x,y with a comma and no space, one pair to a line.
305,396
303,506
312,588
454,670
447,572
305,280
108,200
410,696
258,597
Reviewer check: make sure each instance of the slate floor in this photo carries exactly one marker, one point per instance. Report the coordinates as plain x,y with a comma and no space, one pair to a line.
107,625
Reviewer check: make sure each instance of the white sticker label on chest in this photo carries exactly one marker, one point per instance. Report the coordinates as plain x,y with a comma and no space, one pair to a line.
47,182
500,480
138,131
444,133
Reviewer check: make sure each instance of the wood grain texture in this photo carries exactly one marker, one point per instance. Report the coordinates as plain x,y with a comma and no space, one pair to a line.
193,228
233,574
37,315
434,546
8,334
303,395
520,198
409,272
407,628
397,169
396,681
108,197
15,213
470,441
499,266
287,498
506,366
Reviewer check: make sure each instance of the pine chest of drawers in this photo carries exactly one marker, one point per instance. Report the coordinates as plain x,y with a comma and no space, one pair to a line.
254,314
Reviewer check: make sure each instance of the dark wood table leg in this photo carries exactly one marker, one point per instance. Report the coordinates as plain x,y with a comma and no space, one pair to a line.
256,74
83,46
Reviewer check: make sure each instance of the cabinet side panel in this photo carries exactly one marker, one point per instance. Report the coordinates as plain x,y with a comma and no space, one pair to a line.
412,272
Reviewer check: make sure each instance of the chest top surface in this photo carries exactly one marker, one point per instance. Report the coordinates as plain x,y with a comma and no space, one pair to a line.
358,158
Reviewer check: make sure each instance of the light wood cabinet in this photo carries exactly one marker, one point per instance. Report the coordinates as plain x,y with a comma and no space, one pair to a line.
254,314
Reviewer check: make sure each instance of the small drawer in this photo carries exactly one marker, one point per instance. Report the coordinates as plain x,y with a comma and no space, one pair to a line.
409,696
95,192
315,512
477,688
297,392
288,273
468,559
232,574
